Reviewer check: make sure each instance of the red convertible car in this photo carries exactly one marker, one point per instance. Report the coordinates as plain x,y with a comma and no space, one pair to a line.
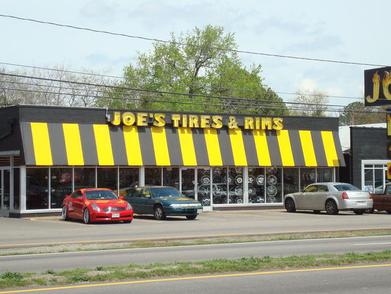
96,205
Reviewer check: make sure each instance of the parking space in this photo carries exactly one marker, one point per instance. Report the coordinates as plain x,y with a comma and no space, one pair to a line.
47,230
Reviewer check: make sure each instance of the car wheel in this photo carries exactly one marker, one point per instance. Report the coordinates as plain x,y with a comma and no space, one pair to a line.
159,213
316,211
290,205
191,217
331,207
86,216
64,213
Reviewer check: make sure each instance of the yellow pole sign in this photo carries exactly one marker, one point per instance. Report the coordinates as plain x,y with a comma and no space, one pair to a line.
389,124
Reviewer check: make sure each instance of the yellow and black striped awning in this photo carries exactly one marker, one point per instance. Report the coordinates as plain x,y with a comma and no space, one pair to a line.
71,144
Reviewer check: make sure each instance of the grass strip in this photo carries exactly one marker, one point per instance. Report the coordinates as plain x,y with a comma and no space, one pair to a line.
195,241
161,270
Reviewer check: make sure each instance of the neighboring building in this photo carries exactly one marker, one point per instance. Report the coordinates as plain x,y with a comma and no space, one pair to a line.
224,161
365,152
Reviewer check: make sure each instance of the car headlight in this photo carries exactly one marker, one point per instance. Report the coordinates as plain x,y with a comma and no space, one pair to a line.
129,207
95,207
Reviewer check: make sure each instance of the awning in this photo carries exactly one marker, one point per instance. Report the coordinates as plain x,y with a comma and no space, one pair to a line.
69,144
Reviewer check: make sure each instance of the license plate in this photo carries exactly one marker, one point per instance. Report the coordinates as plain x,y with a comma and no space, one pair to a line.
199,210
362,203
115,215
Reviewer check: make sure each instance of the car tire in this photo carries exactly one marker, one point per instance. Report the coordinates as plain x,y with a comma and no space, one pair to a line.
86,216
290,205
158,213
316,211
64,213
191,217
359,211
331,207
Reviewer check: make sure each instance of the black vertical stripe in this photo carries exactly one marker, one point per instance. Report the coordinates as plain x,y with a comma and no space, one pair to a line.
174,146
297,149
88,144
338,148
319,148
225,147
57,144
200,147
249,146
27,140
274,148
118,145
146,144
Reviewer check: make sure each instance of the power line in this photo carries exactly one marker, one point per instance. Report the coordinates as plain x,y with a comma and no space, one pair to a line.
302,58
153,91
240,106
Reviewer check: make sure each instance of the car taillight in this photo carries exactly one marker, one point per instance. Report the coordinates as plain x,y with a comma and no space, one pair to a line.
345,195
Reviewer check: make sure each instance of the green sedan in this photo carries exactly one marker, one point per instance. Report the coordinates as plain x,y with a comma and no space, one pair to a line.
162,202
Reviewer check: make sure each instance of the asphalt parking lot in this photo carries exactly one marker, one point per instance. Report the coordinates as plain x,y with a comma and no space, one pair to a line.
48,230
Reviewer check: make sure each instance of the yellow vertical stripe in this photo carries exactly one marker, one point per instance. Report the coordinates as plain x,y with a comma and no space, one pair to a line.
132,145
329,148
73,146
308,148
187,147
103,144
41,144
160,146
262,148
238,150
285,148
213,147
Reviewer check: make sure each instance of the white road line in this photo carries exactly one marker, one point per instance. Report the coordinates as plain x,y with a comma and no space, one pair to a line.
370,244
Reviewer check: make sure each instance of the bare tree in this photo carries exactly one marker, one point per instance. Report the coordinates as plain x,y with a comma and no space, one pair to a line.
310,104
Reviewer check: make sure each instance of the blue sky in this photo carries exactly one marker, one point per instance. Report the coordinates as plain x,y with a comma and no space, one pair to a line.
342,30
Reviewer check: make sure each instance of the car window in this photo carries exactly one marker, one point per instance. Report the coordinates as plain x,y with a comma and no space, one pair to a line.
165,192
388,190
312,188
346,187
134,192
76,194
100,195
323,188
145,193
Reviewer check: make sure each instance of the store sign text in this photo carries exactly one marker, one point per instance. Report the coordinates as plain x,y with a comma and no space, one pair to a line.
377,86
144,119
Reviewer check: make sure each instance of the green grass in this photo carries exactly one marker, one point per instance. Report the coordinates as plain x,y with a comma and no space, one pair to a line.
160,270
196,241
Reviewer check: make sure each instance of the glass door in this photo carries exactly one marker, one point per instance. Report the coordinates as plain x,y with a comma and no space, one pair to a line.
4,192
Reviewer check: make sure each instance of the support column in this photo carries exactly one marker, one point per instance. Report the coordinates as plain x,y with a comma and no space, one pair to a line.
22,188
11,208
245,185
141,177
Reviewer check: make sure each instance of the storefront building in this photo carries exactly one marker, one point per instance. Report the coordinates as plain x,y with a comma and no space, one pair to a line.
224,161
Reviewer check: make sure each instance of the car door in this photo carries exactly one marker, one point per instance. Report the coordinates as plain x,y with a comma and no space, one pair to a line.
77,204
133,197
306,197
147,201
386,201
318,198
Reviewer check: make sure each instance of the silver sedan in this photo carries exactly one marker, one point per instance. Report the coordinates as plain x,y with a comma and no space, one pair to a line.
331,197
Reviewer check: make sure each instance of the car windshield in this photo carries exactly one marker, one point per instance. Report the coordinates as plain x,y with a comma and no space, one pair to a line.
165,192
346,187
100,195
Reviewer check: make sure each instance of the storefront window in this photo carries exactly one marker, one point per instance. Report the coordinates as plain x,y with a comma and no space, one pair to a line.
37,188
6,188
128,177
107,178
188,182
171,177
16,188
84,178
256,185
153,176
307,176
291,180
374,178
61,185
273,185
204,183
235,192
325,175
220,185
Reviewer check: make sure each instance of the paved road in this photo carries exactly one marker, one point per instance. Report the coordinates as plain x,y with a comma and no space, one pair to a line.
57,261
338,281
24,232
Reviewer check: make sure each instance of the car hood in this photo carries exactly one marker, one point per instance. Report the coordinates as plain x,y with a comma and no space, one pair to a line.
105,203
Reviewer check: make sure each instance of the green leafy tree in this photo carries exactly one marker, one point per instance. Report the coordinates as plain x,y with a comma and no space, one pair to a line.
199,65
356,114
